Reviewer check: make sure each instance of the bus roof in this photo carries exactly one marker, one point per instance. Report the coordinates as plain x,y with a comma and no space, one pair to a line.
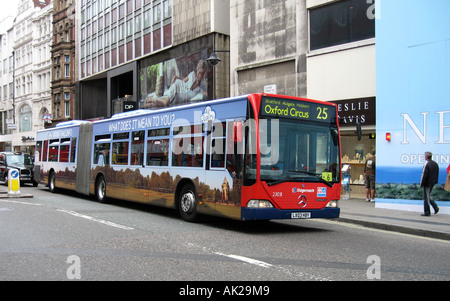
71,122
132,113
170,109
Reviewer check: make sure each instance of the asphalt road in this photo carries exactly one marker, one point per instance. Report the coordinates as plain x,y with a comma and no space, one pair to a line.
66,236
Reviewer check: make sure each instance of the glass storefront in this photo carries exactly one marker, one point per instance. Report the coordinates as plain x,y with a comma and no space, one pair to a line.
354,151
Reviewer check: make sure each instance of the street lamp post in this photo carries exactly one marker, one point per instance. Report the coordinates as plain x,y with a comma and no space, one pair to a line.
213,60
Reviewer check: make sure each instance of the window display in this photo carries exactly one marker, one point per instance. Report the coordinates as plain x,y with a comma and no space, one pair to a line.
355,153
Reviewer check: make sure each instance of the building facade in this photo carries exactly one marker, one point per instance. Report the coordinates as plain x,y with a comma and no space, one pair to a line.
29,71
341,67
132,51
269,45
319,49
64,67
6,82
413,115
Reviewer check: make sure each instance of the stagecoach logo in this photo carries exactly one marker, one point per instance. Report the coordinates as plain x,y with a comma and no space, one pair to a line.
302,190
208,115
302,201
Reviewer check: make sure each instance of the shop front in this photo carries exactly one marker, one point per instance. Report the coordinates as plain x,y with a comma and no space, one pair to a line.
356,149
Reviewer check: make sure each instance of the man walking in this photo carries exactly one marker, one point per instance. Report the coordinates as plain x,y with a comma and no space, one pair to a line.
429,178
369,170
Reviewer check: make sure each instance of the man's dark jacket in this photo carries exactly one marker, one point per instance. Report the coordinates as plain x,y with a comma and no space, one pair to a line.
430,174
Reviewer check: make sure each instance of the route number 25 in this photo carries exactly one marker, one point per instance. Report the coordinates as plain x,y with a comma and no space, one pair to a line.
322,113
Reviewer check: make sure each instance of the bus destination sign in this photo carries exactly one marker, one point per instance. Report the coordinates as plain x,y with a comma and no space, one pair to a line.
295,109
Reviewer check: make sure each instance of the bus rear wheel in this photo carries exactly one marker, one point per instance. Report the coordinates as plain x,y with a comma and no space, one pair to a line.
100,189
187,203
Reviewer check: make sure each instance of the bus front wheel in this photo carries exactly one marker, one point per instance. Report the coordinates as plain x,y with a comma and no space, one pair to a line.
188,203
100,189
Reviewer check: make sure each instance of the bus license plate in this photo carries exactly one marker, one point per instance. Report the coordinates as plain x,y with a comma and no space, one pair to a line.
301,215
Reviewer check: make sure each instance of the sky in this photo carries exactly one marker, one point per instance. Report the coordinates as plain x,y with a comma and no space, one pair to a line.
8,8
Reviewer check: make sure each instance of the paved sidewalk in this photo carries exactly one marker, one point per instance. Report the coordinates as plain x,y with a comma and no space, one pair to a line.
358,211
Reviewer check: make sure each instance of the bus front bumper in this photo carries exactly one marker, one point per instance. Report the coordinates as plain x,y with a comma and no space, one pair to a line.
248,214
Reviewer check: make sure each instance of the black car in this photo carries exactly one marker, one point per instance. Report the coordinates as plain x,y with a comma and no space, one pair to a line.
19,161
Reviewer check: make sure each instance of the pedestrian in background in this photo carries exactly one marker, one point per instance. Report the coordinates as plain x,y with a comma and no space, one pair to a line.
369,170
430,175
447,181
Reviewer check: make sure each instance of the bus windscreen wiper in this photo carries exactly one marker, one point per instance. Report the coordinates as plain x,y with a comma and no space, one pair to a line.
285,180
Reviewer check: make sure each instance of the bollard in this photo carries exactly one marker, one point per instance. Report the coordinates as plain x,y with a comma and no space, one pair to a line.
13,182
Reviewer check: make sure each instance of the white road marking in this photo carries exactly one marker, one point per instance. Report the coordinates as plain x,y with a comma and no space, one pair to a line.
263,264
108,223
246,259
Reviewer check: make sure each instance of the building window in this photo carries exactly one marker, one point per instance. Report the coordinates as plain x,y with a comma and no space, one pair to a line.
67,108
56,106
66,70
340,23
167,7
156,13
25,118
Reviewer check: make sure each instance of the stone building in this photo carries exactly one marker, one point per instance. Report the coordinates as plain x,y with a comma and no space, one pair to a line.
27,66
64,70
130,52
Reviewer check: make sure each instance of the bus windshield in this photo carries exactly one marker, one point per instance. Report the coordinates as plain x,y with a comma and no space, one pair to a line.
299,151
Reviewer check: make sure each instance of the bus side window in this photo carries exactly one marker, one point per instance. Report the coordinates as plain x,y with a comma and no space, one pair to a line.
53,150
188,151
120,153
218,145
158,152
120,148
235,148
38,151
250,152
64,150
137,148
218,153
101,150
45,151
73,149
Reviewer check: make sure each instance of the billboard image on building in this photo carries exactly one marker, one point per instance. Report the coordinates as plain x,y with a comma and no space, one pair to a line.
174,82
413,115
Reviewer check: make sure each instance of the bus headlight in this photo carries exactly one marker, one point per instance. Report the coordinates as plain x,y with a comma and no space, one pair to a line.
259,204
332,204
